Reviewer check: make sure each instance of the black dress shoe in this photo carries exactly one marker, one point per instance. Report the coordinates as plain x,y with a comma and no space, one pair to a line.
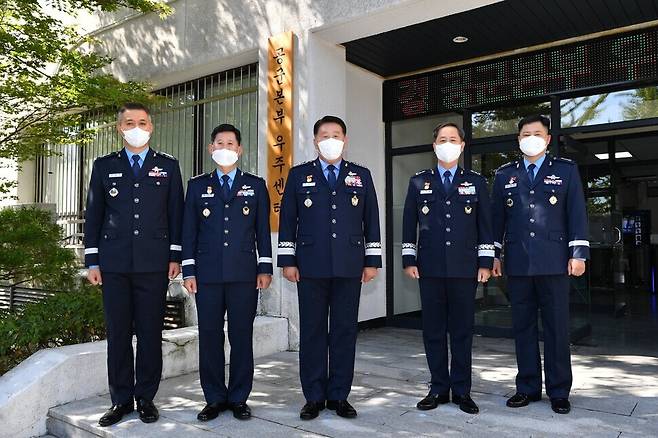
148,413
431,401
520,399
241,411
311,410
560,405
211,411
466,403
342,407
115,414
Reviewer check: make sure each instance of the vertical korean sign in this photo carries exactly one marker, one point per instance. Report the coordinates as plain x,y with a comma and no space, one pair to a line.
279,119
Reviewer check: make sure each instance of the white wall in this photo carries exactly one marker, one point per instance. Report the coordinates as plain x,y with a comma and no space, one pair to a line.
365,131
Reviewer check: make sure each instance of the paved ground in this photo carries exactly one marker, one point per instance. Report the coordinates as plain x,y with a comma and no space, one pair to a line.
612,396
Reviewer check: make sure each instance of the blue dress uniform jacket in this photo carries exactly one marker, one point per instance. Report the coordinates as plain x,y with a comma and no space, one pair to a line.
329,233
220,238
544,224
447,234
130,216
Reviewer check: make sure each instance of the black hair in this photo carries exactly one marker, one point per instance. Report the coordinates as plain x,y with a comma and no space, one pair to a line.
226,127
329,119
447,125
535,118
132,106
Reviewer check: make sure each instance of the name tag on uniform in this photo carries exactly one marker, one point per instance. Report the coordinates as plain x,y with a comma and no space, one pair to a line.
510,186
466,190
426,192
207,195
249,192
308,184
115,175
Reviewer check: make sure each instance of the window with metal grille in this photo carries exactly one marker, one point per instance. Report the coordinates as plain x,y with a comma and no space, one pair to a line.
182,122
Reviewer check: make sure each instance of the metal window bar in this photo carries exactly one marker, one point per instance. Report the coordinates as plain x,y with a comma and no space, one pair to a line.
183,123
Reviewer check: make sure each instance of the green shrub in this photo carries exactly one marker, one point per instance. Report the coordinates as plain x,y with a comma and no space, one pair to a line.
63,319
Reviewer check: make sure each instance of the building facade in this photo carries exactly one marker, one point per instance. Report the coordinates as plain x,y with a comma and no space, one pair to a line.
394,69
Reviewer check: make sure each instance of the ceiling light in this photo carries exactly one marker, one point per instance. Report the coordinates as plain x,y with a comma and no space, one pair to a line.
459,39
624,154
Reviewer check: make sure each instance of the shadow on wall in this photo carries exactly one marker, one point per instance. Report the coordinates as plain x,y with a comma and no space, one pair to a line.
196,33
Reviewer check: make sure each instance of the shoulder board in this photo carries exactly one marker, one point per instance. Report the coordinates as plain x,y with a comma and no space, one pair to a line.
304,163
199,176
352,163
166,155
420,172
506,165
564,160
110,155
253,175
472,172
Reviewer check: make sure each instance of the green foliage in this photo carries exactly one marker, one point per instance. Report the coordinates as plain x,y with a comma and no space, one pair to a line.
30,250
63,319
49,78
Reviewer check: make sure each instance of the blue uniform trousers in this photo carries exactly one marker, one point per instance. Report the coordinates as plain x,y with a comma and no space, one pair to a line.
134,300
550,293
238,300
326,358
448,306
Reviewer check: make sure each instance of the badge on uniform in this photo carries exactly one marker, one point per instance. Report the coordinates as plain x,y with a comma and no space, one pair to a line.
510,202
425,209
426,186
308,202
309,181
157,172
511,183
355,200
553,180
552,200
206,212
468,209
113,192
209,193
245,210
353,180
466,188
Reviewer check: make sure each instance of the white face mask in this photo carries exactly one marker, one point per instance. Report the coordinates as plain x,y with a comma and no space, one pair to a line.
447,152
136,137
532,145
225,157
331,148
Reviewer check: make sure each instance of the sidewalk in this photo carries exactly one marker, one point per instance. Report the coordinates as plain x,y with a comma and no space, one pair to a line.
612,396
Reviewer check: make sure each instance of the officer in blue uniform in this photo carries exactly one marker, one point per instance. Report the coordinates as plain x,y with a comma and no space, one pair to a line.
448,246
227,254
329,244
132,244
540,222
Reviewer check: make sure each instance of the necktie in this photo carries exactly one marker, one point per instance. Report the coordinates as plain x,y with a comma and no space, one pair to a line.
531,172
446,180
136,167
331,177
226,190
